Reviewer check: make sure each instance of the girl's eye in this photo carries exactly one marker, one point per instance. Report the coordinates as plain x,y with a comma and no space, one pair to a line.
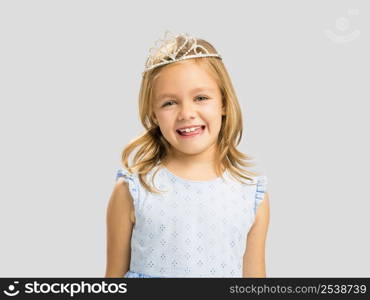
205,98
167,103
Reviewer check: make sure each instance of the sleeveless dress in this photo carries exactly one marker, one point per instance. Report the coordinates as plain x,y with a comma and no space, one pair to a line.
194,228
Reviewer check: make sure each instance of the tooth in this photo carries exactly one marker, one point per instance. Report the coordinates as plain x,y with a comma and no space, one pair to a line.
189,129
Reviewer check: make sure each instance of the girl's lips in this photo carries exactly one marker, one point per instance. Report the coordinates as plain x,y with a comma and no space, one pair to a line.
193,134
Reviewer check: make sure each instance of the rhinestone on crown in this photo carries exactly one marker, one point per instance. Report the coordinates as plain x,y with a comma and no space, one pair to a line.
166,50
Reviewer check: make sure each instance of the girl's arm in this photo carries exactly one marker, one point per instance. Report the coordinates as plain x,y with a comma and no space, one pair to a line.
254,256
120,221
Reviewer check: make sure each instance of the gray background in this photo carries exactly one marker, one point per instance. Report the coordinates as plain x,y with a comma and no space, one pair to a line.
69,82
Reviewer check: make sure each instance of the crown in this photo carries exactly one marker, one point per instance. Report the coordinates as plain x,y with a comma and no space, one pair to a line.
169,50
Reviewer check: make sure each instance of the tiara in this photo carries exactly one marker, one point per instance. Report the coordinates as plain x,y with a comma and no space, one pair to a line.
166,50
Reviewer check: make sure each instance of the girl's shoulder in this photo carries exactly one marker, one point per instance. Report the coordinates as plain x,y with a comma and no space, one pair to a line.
122,172
132,180
261,190
254,190
261,183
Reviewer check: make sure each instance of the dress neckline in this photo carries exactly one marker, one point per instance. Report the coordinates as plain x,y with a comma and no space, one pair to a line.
193,181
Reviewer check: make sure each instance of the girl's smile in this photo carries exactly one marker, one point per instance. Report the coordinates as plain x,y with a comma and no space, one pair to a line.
191,131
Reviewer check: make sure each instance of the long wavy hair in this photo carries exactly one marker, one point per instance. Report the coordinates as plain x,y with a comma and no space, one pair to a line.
152,147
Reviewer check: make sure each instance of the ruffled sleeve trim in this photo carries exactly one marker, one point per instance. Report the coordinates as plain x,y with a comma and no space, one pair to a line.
260,191
132,183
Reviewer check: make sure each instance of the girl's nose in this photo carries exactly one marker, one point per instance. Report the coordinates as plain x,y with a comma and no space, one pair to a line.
186,111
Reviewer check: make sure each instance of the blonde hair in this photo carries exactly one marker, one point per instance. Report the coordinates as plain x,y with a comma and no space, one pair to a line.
153,147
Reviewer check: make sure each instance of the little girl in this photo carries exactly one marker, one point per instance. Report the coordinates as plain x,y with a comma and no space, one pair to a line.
185,207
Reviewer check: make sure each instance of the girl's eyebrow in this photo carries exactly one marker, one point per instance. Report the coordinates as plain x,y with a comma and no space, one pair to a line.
199,89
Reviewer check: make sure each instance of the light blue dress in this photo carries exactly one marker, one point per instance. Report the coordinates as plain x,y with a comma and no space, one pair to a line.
195,228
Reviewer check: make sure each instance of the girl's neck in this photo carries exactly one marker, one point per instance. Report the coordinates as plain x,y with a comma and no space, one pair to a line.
190,162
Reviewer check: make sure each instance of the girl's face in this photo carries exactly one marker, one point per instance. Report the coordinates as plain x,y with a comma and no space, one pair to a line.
186,95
